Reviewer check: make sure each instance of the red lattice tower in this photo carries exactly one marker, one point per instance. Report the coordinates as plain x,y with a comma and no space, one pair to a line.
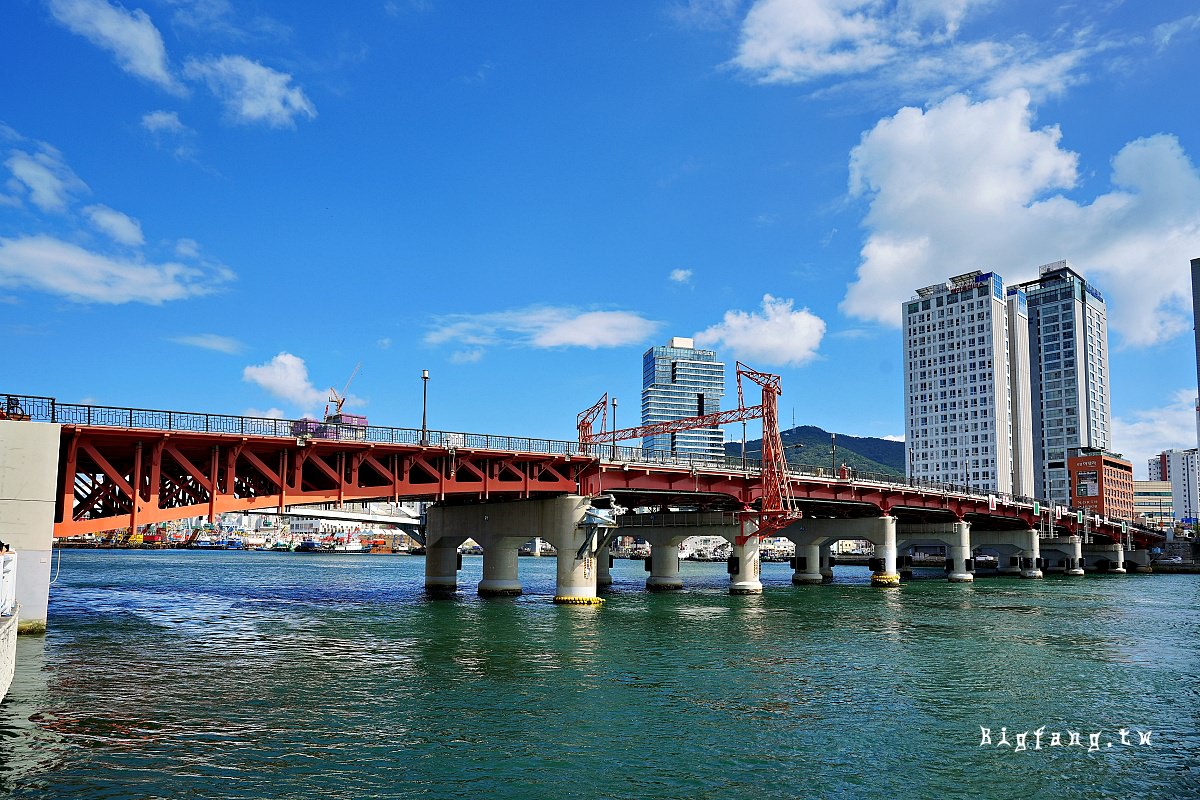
777,508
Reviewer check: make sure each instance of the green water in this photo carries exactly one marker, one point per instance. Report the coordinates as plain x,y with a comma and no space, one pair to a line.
266,675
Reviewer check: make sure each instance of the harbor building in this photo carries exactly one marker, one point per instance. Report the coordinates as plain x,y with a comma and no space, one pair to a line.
964,375
1101,483
678,381
1152,504
1069,377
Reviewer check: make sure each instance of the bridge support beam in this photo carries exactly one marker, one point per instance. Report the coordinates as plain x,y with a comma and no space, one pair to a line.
664,562
1109,558
500,568
959,552
28,483
807,566
744,567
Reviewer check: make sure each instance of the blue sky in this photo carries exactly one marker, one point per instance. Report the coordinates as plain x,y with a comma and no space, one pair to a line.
225,206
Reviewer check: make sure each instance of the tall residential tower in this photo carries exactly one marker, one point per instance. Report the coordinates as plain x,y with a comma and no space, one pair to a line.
1069,378
965,375
680,381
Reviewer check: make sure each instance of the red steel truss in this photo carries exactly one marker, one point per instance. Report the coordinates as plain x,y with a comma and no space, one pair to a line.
112,478
119,477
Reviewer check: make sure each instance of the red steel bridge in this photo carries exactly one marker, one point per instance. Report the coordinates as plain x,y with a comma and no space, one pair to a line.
126,467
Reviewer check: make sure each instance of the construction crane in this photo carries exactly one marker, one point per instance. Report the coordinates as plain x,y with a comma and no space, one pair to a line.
777,509
339,398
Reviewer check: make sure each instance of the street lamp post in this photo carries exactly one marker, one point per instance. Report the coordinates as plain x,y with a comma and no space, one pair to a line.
833,454
614,444
424,407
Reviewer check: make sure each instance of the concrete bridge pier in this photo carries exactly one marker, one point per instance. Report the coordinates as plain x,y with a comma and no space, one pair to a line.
500,567
1063,555
500,527
1137,561
1031,558
959,554
826,568
879,531
1109,558
664,561
744,566
807,565
604,562
28,484
442,562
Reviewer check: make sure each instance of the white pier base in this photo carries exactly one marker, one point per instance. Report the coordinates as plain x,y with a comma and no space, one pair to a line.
744,567
500,568
807,565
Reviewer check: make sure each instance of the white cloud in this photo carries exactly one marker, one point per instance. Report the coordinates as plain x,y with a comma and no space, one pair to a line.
51,265
704,14
121,228
286,377
384,344
892,437
129,35
251,92
681,275
543,326
471,356
163,122
966,185
1148,432
910,46
187,248
779,336
48,180
270,413
211,341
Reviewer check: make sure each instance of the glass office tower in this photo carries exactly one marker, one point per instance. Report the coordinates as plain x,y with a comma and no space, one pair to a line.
680,381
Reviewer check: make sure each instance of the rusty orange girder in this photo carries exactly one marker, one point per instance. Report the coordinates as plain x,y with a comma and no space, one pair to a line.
122,477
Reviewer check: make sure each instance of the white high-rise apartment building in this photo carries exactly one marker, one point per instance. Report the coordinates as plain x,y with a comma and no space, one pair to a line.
678,381
965,375
1184,467
1069,378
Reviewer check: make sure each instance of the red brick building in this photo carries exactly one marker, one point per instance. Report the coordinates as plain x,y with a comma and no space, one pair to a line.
1101,483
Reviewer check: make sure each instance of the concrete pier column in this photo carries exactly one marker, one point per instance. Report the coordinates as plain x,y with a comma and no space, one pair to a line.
664,567
604,566
1031,557
744,568
441,566
826,562
500,569
883,569
577,574
807,568
1075,563
28,481
958,554
537,547
1116,566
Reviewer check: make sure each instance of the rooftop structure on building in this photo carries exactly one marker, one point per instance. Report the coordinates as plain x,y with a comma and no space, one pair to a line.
678,381
1069,375
964,376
